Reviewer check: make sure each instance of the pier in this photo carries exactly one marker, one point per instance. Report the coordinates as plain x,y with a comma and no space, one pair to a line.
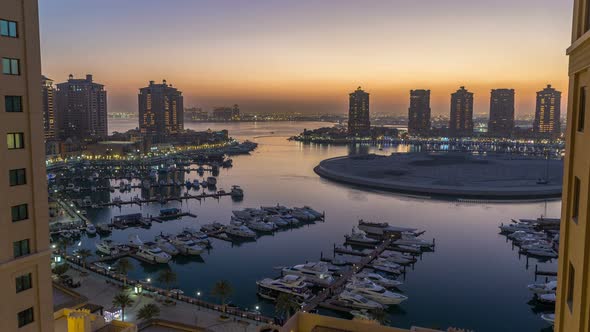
337,286
162,200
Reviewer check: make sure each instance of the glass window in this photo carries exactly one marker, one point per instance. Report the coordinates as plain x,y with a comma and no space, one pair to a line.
10,66
15,141
576,199
19,212
21,248
18,177
13,103
8,29
24,282
25,317
582,109
570,286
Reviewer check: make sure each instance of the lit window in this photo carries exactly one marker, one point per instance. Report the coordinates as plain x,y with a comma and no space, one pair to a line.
10,66
25,317
17,177
19,212
15,141
21,248
13,104
24,282
8,29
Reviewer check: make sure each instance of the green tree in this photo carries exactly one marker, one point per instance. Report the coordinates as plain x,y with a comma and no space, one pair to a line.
380,315
167,277
286,305
148,312
61,269
122,300
84,254
124,266
62,246
222,290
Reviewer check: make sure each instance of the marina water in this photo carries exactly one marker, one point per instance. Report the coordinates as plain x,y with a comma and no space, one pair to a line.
474,279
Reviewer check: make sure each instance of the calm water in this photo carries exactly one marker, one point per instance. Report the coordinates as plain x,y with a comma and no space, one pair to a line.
473,280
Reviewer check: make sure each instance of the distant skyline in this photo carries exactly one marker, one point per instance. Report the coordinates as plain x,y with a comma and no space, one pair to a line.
307,56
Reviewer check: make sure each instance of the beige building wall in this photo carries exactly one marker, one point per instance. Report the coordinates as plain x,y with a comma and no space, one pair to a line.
573,306
24,47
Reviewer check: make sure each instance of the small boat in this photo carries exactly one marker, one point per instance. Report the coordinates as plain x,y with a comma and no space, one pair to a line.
277,220
212,227
186,245
547,298
359,236
90,229
211,181
134,241
236,192
166,246
261,226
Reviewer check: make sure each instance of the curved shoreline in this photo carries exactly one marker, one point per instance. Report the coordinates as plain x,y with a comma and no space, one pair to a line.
518,193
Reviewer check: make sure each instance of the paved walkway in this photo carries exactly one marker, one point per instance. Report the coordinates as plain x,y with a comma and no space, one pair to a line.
98,291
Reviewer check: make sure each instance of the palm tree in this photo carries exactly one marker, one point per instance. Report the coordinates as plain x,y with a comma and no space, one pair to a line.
61,269
124,266
148,312
167,277
380,315
222,290
84,253
62,246
286,305
122,300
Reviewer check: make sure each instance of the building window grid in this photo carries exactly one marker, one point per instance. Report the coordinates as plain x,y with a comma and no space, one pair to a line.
15,141
17,177
13,104
25,317
19,212
8,28
21,248
24,282
10,66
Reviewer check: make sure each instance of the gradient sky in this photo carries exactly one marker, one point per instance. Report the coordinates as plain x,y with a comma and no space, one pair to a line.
307,55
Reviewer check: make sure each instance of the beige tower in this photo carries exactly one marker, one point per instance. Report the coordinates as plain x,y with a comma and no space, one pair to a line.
573,305
25,277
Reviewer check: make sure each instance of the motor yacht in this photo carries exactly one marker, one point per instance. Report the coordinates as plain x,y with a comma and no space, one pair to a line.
277,220
541,253
549,318
237,192
375,292
289,284
546,288
134,241
166,246
317,273
313,212
153,253
186,245
240,231
107,247
261,226
358,301
547,298
211,181
359,236
196,185
385,266
398,259
378,279
212,227
302,215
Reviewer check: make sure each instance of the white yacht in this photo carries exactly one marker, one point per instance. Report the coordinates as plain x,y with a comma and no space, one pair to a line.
134,241
153,253
186,245
289,284
212,227
375,292
549,318
411,239
302,215
277,220
378,279
240,231
547,298
359,236
358,301
197,235
107,247
397,257
167,247
261,226
385,266
547,288
317,273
